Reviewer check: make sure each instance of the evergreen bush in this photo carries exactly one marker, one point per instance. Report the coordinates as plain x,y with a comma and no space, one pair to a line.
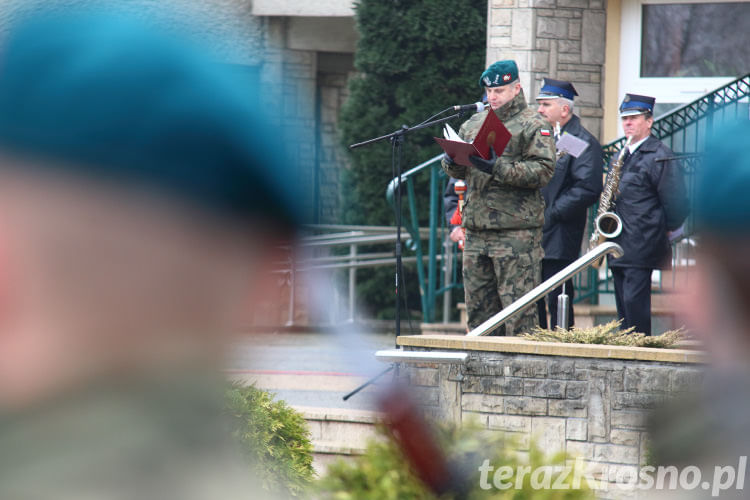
414,58
274,437
383,474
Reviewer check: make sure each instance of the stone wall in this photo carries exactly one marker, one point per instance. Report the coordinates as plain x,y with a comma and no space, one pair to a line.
561,39
589,401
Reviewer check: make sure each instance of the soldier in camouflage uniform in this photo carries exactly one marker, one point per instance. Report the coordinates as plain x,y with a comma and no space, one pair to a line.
504,211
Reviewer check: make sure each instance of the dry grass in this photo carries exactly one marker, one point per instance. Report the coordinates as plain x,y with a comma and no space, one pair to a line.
607,334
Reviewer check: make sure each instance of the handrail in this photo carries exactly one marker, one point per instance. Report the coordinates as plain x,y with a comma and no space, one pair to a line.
702,107
429,280
404,176
343,228
530,298
349,240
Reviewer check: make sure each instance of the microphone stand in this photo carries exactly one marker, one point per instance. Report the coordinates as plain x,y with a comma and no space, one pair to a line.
397,139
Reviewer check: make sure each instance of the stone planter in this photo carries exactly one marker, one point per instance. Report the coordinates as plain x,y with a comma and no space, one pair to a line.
591,401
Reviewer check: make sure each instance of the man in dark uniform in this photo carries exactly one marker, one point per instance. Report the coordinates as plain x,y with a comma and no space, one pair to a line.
504,209
576,185
651,202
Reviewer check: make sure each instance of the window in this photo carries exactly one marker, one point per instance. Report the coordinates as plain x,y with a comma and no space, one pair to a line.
677,52
695,39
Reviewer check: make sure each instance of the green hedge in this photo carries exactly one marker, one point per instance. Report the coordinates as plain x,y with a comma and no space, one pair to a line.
275,439
414,58
383,474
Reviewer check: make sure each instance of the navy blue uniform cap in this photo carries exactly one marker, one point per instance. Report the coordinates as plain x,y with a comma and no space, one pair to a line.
552,89
634,104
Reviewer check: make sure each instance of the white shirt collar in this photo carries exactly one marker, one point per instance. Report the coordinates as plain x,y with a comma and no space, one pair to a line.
635,146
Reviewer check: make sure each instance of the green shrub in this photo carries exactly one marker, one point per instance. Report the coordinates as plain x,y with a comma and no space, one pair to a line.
274,437
608,334
414,58
383,474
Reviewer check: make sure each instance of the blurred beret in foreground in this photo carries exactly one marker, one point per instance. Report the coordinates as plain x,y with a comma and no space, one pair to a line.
100,94
722,200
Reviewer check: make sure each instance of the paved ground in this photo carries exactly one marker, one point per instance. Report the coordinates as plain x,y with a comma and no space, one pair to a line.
311,369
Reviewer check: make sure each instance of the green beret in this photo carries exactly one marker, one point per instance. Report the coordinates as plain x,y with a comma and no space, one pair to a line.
101,95
722,206
499,74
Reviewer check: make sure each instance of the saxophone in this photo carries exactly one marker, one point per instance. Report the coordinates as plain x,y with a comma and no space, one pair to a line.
608,224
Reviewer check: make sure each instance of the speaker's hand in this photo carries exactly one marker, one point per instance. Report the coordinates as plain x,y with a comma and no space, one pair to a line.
485,166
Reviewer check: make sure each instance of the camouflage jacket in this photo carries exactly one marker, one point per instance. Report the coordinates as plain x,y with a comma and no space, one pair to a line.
510,198
123,439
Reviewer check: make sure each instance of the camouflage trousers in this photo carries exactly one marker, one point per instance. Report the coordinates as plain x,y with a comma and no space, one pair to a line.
499,267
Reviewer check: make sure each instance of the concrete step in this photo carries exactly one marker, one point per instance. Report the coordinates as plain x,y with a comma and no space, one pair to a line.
338,433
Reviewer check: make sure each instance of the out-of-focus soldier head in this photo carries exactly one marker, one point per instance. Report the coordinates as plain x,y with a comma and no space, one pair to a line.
721,296
708,426
141,196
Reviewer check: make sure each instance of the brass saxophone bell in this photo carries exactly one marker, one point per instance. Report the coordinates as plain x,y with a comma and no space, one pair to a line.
609,225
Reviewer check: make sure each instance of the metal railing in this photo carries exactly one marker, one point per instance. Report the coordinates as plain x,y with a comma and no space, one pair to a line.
531,297
317,253
686,128
431,283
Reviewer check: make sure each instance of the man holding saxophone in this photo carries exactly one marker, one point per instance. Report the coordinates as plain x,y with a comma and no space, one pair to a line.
651,202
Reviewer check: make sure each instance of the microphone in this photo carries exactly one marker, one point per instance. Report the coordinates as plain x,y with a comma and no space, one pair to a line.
477,106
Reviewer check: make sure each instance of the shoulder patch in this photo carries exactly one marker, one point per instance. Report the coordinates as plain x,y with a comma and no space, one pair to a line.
545,132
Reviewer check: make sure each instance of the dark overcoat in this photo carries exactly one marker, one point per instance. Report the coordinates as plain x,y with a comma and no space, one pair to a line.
652,200
575,186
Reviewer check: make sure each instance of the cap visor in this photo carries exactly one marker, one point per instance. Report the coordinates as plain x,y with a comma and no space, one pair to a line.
633,112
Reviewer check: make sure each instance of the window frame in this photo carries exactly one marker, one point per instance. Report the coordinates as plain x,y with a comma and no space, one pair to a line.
677,90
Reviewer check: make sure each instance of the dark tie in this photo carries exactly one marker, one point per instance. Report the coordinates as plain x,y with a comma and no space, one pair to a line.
626,156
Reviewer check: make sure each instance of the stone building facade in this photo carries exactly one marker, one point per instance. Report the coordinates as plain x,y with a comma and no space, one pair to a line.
561,39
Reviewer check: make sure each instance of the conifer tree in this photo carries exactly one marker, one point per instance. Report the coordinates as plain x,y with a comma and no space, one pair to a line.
414,58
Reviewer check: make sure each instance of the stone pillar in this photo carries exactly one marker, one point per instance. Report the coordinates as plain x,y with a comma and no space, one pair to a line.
333,91
561,39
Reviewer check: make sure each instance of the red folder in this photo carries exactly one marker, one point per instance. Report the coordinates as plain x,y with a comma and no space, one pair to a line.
492,134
